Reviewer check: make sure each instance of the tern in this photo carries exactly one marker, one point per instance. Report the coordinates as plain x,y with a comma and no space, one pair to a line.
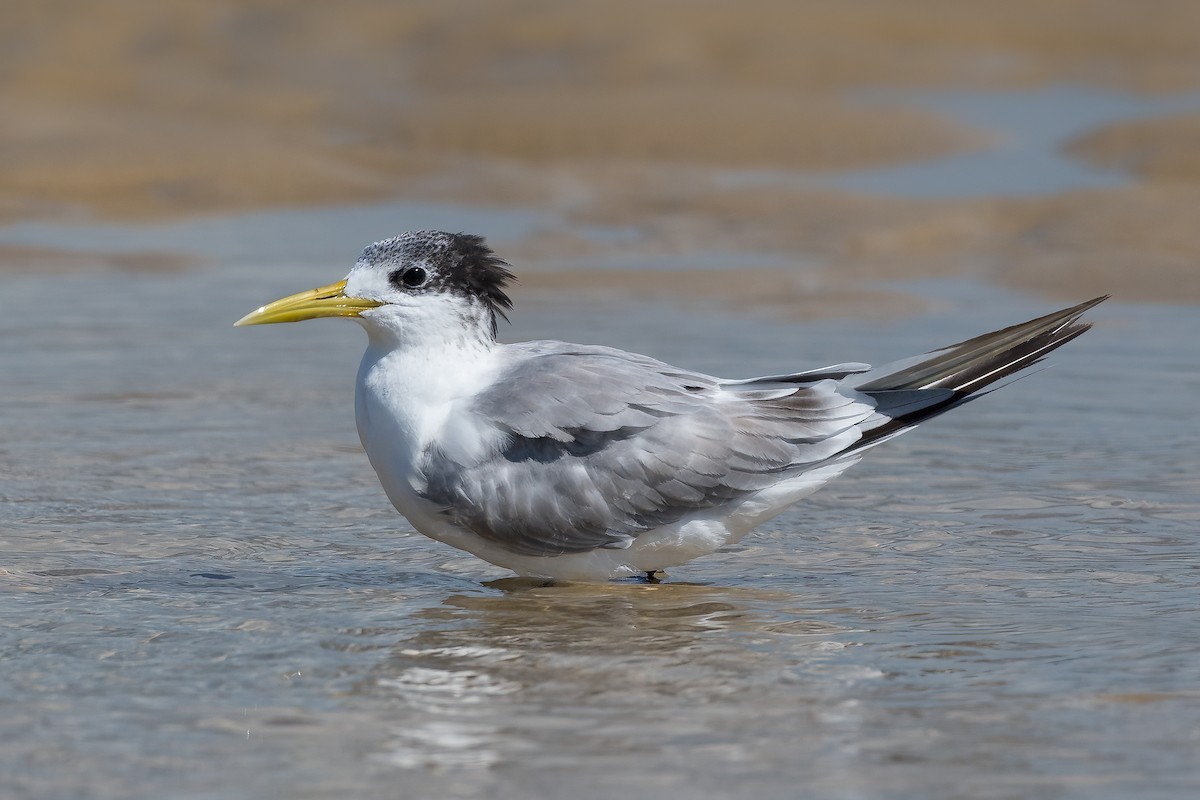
582,462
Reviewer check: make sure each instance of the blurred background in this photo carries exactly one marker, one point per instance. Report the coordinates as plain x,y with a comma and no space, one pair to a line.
1045,145
204,593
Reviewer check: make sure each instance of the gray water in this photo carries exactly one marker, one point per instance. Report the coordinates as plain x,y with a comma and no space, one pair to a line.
1029,131
204,593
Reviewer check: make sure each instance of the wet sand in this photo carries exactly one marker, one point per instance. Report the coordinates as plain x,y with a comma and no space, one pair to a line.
613,113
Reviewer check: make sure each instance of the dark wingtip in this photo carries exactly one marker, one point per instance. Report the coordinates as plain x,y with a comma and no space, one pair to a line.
962,371
1086,304
970,365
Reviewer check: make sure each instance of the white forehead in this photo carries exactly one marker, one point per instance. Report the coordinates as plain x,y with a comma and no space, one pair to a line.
370,276
367,280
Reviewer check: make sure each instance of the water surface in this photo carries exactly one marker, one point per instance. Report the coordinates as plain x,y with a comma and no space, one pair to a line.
206,595
1025,157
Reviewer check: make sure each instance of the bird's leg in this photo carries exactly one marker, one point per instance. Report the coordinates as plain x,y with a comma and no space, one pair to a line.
655,575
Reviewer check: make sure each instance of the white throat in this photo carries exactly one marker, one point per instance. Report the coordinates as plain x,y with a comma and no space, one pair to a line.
419,370
432,322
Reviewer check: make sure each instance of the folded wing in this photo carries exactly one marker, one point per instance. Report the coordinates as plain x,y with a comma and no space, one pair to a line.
588,447
599,445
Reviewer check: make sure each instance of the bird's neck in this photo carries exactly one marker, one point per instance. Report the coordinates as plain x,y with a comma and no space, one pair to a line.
417,369
412,384
430,371
437,344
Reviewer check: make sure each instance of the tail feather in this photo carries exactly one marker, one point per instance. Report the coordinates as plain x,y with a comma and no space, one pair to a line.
911,391
989,357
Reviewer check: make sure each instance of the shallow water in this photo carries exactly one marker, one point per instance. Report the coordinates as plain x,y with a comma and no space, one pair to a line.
1029,129
205,593
1025,157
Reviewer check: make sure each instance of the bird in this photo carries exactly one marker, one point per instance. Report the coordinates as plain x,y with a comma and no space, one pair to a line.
575,462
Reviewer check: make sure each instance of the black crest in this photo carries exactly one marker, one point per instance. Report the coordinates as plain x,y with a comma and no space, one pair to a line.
456,262
479,271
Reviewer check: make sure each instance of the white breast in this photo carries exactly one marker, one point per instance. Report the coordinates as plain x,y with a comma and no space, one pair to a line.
407,398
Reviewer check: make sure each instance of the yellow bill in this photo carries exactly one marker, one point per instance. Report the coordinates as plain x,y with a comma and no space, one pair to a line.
326,301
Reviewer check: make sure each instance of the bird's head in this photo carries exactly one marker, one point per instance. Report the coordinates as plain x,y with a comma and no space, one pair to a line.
418,281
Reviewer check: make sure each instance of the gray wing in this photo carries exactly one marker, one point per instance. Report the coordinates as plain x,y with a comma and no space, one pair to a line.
595,446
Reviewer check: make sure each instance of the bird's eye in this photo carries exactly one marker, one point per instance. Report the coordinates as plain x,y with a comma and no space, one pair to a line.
411,278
